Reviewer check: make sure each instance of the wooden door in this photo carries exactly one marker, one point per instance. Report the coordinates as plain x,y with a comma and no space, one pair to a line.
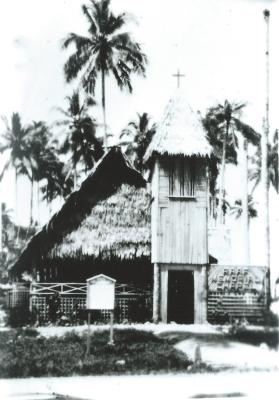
181,297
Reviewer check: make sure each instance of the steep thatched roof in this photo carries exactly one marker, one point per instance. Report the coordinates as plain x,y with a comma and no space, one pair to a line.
106,178
118,226
180,131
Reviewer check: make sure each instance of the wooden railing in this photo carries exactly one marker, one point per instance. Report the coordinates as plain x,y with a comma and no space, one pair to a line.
73,288
60,288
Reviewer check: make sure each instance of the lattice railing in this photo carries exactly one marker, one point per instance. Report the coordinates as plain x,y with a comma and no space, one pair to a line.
129,300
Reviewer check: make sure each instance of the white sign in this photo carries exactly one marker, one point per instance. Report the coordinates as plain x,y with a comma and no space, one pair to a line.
100,293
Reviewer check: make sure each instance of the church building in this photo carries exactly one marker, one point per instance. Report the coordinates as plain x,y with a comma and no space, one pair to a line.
178,157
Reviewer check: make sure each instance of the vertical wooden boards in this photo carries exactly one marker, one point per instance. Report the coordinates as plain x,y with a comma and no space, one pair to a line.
181,221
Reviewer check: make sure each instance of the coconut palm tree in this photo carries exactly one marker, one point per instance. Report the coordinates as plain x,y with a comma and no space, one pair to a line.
37,148
15,140
136,137
80,141
222,123
237,208
52,174
272,162
107,49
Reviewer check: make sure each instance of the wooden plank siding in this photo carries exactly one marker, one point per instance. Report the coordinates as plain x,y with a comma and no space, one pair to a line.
179,224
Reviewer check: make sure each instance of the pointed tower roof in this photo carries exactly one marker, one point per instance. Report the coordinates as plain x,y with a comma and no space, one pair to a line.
180,131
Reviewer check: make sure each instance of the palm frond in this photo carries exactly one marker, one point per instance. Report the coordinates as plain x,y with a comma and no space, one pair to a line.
93,29
75,64
248,132
79,41
5,168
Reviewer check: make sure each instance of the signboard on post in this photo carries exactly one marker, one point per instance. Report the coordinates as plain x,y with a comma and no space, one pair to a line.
100,293
100,296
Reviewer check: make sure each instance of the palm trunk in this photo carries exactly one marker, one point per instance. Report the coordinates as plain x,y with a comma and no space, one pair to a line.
1,228
104,111
245,200
75,178
31,200
265,175
38,202
222,178
265,183
16,189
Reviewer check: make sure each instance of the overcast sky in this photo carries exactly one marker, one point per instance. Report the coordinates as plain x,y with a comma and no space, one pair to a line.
218,44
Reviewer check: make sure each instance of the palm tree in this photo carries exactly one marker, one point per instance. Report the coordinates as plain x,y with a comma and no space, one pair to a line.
136,137
37,147
15,139
222,123
272,162
52,173
237,208
106,50
80,141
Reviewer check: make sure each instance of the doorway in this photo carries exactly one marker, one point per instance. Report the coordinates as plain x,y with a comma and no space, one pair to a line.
181,297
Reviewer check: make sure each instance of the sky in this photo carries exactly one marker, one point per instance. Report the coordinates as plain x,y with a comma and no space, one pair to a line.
219,45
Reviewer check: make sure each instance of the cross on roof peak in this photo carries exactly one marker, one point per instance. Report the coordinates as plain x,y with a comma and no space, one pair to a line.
178,75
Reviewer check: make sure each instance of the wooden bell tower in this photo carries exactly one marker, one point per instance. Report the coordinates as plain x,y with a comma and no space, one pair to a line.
178,153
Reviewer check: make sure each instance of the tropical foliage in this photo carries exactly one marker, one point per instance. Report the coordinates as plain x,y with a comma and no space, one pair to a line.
224,128
15,139
237,208
80,140
272,162
136,137
107,49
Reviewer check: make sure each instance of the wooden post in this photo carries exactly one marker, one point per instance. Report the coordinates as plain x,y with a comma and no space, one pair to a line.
204,294
88,335
156,293
111,342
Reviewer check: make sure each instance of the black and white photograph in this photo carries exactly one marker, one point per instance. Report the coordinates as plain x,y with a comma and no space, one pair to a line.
139,199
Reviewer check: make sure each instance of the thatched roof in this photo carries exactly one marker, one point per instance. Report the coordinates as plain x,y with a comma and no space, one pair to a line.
118,226
180,131
106,178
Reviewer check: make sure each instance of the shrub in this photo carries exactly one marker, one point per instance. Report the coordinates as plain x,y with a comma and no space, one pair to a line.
257,336
26,354
20,316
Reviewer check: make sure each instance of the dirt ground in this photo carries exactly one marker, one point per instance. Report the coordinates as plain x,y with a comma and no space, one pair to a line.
234,385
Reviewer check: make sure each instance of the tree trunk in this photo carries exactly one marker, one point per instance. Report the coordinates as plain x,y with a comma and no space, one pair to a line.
31,201
265,174
104,111
245,201
265,183
38,202
75,178
222,178
16,189
1,228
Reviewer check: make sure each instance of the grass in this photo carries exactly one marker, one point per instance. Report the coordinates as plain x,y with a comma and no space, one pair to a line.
25,354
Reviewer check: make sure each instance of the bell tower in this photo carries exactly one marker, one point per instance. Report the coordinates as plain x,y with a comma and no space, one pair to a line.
178,154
